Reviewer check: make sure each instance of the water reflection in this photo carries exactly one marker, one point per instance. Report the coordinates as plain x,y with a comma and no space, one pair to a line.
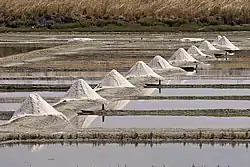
121,154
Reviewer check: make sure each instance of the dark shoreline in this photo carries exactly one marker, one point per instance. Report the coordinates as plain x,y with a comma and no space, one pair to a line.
130,27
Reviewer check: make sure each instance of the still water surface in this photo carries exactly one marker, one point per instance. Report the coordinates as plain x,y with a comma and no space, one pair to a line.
186,104
189,122
197,92
114,155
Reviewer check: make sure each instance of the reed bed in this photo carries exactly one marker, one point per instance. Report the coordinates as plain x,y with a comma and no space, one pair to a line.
145,12
139,136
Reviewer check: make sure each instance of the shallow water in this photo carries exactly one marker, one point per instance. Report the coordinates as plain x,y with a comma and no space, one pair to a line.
186,104
114,155
197,92
207,81
188,122
2,122
26,94
9,106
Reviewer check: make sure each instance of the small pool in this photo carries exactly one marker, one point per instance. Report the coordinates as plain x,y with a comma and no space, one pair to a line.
188,122
186,104
195,92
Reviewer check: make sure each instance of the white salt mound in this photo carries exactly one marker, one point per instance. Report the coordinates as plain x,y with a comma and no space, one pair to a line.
182,57
114,80
76,40
141,69
35,105
224,43
192,39
215,42
197,54
159,63
208,47
80,90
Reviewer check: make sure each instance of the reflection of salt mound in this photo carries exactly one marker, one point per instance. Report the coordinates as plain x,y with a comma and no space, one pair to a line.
181,57
76,40
197,54
80,90
224,43
141,69
215,42
88,120
114,80
207,47
35,105
36,147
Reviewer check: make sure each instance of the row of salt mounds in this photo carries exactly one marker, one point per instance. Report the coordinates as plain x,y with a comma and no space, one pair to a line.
224,43
207,48
197,54
142,70
80,90
35,106
114,80
159,64
182,58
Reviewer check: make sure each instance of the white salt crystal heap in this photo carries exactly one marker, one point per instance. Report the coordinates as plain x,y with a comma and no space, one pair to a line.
36,106
225,44
158,64
208,48
192,39
80,90
141,69
215,42
181,57
197,54
79,40
114,80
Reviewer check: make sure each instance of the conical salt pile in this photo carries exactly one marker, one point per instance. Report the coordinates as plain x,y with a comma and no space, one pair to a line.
159,63
114,80
182,57
35,105
207,47
215,42
80,90
224,43
141,69
197,54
